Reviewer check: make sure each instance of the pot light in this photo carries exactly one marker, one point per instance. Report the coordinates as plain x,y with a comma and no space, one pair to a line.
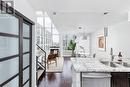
105,13
79,27
54,13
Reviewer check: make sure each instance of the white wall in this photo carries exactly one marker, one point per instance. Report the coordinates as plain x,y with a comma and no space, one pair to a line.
118,39
25,8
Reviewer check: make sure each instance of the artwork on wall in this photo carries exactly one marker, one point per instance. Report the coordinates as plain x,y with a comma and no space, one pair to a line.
102,43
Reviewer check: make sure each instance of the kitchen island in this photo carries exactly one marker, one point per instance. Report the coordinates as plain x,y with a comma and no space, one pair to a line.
94,68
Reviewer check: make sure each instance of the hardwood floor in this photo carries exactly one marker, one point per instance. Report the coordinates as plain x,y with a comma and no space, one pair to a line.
63,79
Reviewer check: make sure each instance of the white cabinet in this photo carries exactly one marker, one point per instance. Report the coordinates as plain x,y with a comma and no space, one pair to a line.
90,79
75,78
96,80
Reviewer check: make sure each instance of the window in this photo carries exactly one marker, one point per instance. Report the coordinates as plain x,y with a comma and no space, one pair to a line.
40,21
55,39
53,36
47,33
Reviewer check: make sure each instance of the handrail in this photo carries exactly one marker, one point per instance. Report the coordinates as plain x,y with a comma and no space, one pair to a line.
39,62
41,48
44,52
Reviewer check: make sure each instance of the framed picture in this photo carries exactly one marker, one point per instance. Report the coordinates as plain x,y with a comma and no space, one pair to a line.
102,43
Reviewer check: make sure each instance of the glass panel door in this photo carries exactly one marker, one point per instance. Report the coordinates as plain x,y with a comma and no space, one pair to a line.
26,59
26,54
13,83
26,30
15,48
9,51
8,46
26,45
8,69
9,24
26,85
25,75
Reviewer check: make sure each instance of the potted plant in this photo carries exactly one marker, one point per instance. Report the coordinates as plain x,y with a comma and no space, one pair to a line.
72,46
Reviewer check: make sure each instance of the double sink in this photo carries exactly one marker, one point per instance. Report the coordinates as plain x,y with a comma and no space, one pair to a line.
116,64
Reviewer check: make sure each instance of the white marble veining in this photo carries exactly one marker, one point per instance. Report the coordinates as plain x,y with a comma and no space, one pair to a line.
94,65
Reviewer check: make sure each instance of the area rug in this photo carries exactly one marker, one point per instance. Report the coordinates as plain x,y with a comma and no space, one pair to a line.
54,68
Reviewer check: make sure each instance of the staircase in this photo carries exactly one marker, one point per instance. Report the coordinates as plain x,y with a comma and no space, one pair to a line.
40,63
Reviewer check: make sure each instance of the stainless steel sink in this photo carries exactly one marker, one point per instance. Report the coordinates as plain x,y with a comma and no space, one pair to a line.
116,64
108,63
125,64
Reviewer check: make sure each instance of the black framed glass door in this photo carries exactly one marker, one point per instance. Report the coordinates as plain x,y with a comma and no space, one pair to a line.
15,50
26,54
9,50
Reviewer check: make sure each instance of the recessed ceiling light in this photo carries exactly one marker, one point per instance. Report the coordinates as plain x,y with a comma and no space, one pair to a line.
79,27
105,13
54,13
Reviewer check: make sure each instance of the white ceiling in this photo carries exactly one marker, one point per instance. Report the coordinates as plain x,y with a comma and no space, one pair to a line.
85,13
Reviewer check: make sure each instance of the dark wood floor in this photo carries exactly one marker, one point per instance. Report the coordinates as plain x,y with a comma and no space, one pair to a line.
63,79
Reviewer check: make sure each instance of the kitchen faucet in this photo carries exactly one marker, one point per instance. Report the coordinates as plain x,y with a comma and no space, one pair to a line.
111,53
112,57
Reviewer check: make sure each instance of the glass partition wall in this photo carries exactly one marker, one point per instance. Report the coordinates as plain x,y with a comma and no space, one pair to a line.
47,33
15,50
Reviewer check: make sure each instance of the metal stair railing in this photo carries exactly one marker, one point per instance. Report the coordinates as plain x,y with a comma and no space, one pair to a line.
39,64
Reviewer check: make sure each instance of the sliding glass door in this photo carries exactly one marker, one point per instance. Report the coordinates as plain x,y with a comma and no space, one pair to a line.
26,54
15,49
9,51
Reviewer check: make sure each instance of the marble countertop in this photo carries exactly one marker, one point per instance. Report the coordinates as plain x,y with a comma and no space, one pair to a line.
94,65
